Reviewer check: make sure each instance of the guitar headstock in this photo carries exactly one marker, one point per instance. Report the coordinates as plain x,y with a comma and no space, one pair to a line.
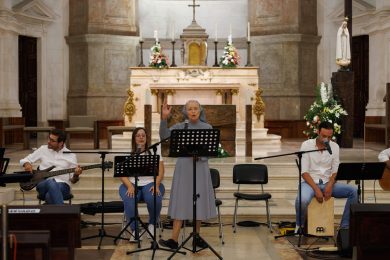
108,165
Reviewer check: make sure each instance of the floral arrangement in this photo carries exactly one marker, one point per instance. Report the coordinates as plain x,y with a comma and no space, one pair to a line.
158,59
230,56
221,152
325,108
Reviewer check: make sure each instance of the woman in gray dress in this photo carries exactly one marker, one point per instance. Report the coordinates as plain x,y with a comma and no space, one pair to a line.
180,203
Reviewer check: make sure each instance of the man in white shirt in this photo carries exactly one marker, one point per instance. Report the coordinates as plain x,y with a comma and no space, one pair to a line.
384,156
54,189
319,171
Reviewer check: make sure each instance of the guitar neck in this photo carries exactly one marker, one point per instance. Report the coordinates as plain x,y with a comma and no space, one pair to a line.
60,172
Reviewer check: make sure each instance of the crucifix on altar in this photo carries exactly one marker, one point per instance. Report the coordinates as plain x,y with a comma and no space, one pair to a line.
193,9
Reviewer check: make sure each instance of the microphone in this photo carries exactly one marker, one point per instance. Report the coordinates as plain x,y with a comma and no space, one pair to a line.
186,124
327,145
138,149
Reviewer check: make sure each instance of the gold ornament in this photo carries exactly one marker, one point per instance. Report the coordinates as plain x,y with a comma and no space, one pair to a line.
259,106
129,107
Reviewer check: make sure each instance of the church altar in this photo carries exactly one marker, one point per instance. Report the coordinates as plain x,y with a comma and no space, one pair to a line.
208,85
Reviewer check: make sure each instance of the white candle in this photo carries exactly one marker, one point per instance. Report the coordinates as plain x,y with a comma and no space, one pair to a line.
230,35
173,31
140,35
249,32
155,35
216,32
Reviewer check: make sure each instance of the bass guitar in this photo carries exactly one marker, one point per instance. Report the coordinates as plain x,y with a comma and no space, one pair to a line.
40,175
385,181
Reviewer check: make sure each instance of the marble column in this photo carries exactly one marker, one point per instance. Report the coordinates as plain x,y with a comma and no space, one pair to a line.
103,39
9,96
284,43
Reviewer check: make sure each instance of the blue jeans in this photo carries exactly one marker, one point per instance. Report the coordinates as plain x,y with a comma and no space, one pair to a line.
143,194
53,192
340,190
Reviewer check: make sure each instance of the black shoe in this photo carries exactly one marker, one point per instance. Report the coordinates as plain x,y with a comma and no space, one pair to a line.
200,243
170,243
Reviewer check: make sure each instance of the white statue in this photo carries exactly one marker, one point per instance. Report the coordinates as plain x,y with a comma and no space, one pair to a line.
343,50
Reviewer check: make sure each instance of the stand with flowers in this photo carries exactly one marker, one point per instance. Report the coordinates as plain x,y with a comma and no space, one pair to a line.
230,56
325,108
157,58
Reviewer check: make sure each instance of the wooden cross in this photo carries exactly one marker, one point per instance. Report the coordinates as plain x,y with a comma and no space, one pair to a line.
193,9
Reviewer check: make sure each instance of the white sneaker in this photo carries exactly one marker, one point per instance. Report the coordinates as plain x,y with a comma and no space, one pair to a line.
132,237
151,230
296,230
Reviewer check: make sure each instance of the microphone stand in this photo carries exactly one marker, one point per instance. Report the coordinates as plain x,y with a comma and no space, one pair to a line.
102,232
299,164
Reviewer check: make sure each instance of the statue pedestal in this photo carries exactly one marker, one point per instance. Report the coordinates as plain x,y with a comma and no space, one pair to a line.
343,87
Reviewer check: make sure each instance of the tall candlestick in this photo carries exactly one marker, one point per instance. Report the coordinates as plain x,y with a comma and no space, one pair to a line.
249,32
216,58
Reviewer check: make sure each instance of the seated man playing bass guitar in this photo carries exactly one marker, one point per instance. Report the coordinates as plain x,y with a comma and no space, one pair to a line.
52,156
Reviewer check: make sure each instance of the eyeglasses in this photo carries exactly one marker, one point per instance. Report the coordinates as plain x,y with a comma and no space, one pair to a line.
52,140
140,135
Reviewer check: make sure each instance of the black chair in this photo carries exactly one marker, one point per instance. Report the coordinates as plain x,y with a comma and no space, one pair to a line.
251,174
69,198
216,183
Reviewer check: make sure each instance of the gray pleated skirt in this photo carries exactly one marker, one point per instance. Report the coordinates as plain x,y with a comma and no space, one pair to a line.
181,202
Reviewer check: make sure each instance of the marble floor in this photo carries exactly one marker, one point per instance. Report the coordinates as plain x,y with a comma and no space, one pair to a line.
246,243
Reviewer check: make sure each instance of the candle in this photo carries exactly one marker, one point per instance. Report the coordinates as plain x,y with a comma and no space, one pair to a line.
216,32
140,35
173,32
155,35
249,32
230,35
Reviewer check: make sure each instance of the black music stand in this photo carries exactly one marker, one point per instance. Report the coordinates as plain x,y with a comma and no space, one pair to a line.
136,166
359,172
194,143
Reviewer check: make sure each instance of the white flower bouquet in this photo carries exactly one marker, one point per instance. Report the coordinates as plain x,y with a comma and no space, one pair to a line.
230,57
325,108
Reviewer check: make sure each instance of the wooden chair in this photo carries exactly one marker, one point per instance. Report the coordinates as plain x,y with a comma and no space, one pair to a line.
82,125
34,129
116,130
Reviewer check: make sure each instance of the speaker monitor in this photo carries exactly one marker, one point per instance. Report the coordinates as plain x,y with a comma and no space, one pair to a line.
343,244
